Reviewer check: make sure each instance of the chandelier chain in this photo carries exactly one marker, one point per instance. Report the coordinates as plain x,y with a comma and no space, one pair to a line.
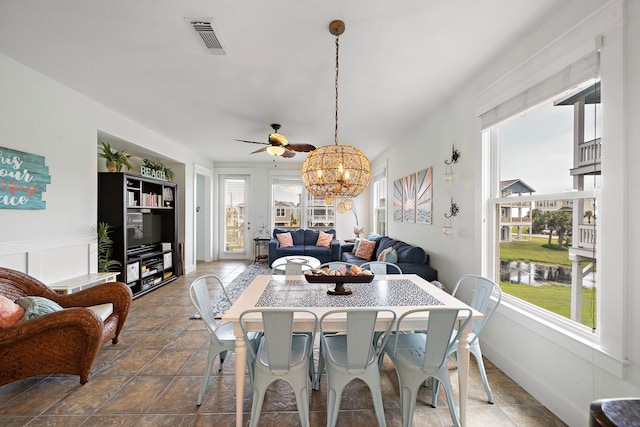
335,137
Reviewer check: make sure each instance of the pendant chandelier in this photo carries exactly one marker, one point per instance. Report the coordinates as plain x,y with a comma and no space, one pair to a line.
336,171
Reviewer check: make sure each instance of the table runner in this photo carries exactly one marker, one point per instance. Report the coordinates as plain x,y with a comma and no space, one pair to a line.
379,293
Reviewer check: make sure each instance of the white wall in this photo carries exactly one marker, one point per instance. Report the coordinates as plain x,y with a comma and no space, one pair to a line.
564,372
42,117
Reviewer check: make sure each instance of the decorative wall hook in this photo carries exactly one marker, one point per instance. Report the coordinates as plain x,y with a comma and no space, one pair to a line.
447,229
455,155
453,209
448,169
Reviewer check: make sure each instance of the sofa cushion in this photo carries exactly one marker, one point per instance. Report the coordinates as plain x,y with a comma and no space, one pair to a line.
298,237
388,255
35,306
310,237
317,251
410,254
285,240
290,250
324,240
355,246
365,249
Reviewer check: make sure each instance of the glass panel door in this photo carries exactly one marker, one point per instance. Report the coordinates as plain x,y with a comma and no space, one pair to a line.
233,190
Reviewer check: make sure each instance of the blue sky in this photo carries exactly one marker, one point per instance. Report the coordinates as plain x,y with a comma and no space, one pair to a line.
537,147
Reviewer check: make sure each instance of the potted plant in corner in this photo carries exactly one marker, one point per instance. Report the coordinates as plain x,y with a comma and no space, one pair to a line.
105,263
114,159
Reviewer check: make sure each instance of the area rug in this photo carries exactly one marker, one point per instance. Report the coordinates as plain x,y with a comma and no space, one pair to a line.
237,286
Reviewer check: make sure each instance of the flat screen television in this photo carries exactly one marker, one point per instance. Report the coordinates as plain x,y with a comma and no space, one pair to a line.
143,229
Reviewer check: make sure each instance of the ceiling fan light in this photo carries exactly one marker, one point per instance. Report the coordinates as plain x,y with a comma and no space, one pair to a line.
275,150
278,138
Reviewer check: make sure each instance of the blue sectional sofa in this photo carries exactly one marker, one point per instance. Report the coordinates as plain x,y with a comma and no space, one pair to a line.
304,243
411,259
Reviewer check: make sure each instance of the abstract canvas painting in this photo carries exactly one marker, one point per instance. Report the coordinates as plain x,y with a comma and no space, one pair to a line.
409,198
424,186
397,200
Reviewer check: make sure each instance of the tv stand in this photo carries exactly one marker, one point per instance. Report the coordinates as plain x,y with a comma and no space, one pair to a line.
144,264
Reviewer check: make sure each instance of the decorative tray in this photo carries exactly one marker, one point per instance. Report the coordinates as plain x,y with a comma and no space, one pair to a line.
339,281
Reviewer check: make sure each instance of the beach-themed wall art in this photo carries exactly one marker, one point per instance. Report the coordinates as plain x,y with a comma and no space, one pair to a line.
409,198
424,195
397,200
413,197
23,179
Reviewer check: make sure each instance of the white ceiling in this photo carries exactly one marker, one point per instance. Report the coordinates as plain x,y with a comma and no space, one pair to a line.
398,61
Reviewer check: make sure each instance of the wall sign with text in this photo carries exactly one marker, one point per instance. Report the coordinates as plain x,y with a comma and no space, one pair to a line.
23,180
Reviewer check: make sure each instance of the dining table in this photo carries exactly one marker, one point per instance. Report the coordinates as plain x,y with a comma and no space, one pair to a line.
397,292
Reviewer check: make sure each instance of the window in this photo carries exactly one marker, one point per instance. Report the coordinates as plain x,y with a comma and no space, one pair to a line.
294,208
545,166
379,199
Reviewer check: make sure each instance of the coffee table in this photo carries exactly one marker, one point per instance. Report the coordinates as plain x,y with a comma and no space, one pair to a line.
307,262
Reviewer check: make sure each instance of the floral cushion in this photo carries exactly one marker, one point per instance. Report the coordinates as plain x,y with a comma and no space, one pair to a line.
324,239
285,240
365,249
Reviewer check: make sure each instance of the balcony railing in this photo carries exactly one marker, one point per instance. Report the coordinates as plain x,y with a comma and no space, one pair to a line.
515,220
586,236
589,153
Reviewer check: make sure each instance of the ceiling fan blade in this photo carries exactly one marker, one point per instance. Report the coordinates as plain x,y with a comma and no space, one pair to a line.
253,142
260,150
301,148
288,154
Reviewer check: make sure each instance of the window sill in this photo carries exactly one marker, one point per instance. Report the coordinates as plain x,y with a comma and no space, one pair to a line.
578,339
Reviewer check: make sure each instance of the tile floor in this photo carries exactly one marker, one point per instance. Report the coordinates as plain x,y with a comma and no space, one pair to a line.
152,377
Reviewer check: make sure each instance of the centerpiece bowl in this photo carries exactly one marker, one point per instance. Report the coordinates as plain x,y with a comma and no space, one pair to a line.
339,281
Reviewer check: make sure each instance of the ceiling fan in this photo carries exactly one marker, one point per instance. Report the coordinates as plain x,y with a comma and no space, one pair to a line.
279,146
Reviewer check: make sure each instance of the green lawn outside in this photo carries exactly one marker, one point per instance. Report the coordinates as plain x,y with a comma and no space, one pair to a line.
533,251
554,298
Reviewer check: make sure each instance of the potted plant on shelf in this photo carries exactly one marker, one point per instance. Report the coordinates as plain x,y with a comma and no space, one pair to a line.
105,244
114,159
158,166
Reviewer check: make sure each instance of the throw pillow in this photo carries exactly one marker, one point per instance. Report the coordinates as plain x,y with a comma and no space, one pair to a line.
285,240
324,239
388,255
365,249
10,312
37,306
355,246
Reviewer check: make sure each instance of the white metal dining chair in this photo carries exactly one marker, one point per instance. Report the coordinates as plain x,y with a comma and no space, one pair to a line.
418,356
222,338
381,267
351,355
281,354
482,288
334,265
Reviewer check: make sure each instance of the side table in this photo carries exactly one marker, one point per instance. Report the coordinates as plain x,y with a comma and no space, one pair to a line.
260,243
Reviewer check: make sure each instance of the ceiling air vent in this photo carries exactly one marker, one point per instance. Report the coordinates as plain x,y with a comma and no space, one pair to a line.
206,35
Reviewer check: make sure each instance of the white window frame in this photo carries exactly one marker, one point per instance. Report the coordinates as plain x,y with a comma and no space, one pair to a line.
305,207
608,346
379,180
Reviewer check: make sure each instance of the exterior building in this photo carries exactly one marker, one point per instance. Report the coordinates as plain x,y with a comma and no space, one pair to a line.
515,215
